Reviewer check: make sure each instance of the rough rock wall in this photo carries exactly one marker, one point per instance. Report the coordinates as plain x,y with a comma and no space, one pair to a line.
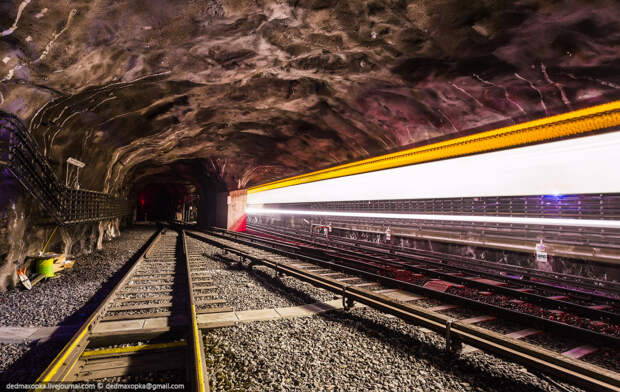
267,88
12,232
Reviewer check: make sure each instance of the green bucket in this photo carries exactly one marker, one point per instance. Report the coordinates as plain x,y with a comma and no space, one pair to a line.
46,267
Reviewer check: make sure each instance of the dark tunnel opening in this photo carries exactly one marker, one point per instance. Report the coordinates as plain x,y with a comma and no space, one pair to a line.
166,202
181,192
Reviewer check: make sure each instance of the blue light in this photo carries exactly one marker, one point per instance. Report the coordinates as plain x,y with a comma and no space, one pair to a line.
554,196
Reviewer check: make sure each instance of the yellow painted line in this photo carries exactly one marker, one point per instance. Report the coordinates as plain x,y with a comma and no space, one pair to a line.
197,350
541,130
142,347
49,239
61,358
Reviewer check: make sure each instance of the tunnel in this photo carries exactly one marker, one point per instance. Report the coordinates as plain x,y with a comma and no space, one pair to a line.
310,195
181,191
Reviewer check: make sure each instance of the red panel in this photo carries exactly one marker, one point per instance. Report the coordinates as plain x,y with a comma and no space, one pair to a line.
239,224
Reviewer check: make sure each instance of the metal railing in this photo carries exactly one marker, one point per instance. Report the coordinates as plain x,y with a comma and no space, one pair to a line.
584,206
20,158
88,206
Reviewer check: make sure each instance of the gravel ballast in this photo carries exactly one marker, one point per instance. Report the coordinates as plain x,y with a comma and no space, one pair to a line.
23,363
66,300
51,302
361,350
255,289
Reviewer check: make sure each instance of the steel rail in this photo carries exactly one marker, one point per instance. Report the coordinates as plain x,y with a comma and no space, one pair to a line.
550,325
510,279
60,367
466,265
575,308
200,379
589,376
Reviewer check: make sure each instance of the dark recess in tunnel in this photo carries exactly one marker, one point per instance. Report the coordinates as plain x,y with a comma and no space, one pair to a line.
169,194
159,202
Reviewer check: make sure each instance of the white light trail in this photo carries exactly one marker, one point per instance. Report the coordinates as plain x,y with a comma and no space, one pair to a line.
567,167
596,223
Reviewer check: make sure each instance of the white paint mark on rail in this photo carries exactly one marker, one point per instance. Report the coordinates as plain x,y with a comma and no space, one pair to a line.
20,9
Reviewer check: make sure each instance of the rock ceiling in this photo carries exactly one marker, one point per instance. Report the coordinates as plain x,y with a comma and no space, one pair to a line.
249,91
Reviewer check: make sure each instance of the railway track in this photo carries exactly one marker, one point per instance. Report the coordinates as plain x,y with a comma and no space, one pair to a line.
523,289
367,282
591,313
148,323
605,290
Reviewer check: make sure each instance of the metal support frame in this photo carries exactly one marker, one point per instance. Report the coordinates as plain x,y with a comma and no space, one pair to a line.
20,155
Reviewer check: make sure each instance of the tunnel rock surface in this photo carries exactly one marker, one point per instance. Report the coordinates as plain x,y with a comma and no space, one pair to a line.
249,91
